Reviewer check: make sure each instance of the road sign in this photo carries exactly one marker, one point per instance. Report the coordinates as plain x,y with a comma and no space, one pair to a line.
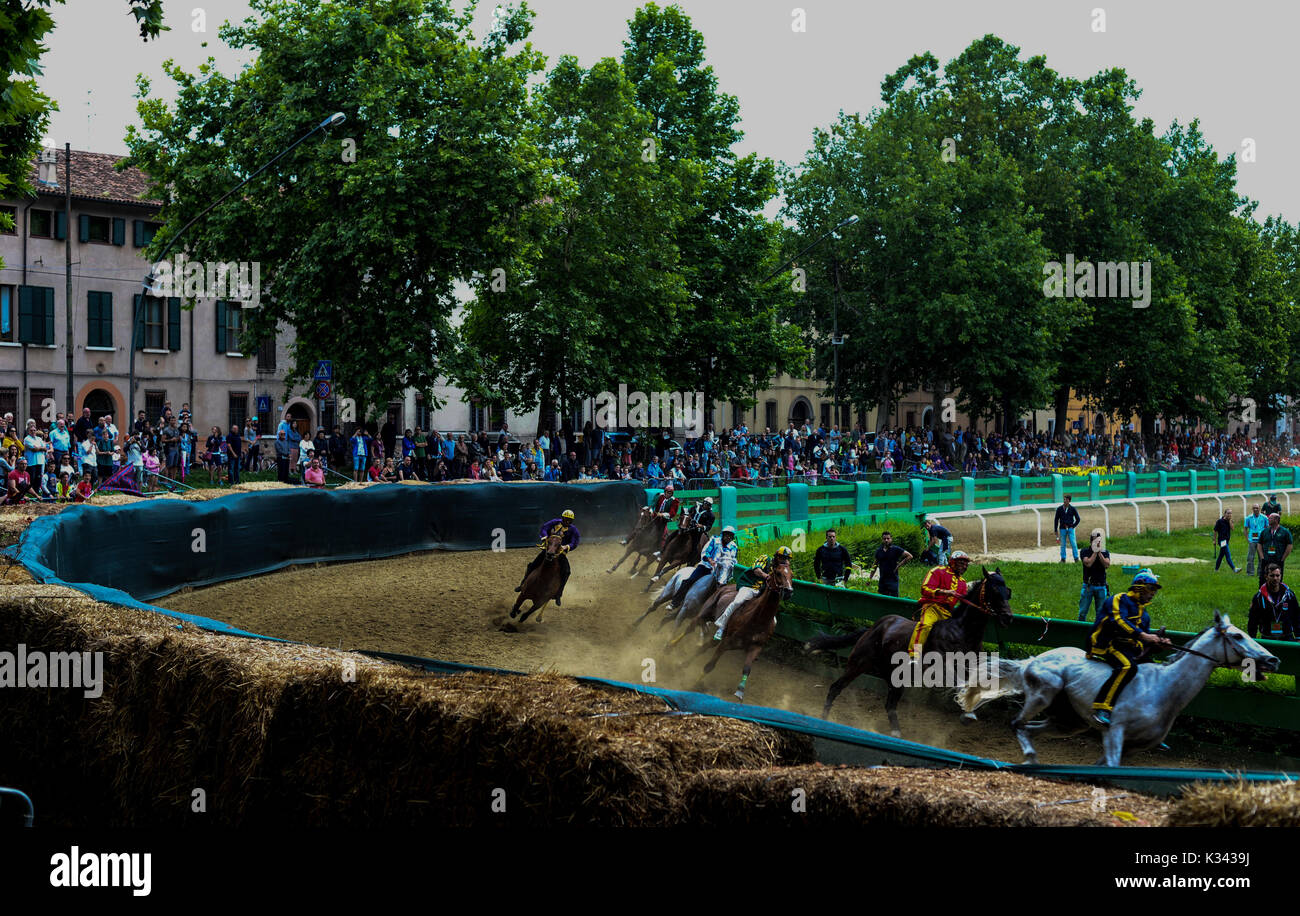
263,405
323,389
324,370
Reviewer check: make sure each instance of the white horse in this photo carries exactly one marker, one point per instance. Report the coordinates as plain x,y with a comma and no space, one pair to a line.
1064,682
720,575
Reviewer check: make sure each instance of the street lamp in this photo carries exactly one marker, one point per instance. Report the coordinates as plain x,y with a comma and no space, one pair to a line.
840,225
332,121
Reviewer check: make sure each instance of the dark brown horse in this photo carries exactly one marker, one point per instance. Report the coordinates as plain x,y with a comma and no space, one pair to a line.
753,623
882,647
644,540
681,549
543,583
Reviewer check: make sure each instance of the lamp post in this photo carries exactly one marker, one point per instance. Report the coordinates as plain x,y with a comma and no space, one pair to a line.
817,241
333,120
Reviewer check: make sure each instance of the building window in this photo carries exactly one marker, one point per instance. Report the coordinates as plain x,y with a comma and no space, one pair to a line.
99,319
228,325
154,404
8,296
153,323
862,418
36,314
423,416
40,224
826,415
42,403
238,409
329,413
487,416
266,355
142,232
911,418
9,402
95,228
11,222
769,415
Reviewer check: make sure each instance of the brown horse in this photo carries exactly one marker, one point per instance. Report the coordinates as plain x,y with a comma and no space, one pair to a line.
644,540
881,648
542,584
681,549
753,623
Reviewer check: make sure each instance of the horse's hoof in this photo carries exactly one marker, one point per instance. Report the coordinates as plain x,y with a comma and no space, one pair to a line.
895,733
740,695
968,717
632,575
1031,759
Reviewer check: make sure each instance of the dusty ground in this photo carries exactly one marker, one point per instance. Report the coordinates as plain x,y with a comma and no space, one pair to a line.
450,606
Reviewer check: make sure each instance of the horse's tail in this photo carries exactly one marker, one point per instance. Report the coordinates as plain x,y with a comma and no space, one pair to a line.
827,641
1000,677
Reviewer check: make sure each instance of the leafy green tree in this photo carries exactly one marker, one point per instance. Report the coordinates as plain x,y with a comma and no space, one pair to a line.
24,109
598,289
361,235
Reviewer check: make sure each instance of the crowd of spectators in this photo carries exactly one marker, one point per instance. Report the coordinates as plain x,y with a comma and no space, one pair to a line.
70,459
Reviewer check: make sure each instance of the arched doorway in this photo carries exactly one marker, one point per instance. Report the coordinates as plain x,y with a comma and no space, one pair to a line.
100,403
801,412
301,417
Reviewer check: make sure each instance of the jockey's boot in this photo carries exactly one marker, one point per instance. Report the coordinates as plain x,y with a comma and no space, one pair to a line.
717,634
1101,717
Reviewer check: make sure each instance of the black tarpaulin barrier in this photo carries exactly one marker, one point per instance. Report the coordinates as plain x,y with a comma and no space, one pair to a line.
153,548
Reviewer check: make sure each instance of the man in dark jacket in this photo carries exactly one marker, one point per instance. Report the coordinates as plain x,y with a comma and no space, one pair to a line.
1066,520
1274,611
832,560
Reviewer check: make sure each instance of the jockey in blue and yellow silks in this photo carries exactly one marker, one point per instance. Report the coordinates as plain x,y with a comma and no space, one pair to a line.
942,589
1117,639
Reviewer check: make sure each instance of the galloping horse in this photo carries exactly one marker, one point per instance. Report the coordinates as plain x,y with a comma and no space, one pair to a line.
880,648
753,623
1064,682
699,592
543,583
683,548
644,540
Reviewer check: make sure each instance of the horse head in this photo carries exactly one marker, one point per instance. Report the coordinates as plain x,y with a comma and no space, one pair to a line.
1230,647
554,545
643,518
996,596
782,578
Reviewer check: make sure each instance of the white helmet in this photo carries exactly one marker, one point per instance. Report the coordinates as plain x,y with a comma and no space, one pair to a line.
708,500
729,530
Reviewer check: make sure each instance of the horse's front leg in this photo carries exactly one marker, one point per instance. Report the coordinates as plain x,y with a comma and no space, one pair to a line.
744,677
620,560
891,708
1112,746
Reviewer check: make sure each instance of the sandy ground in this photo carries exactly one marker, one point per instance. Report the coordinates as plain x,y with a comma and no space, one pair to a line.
1053,555
451,605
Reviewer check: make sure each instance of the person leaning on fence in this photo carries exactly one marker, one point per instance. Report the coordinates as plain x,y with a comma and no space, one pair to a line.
831,562
1096,560
1063,524
1274,546
1274,610
940,541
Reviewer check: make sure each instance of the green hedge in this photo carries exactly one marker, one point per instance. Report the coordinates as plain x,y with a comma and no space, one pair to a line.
861,541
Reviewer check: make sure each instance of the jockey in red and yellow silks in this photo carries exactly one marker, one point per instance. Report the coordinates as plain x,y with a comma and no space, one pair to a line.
942,589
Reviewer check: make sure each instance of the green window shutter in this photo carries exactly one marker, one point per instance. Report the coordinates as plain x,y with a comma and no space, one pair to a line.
47,336
138,317
137,233
99,313
221,326
60,225
119,231
173,323
92,320
26,313
83,227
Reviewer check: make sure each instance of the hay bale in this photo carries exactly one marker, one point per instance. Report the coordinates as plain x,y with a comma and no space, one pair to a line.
1238,804
278,733
907,797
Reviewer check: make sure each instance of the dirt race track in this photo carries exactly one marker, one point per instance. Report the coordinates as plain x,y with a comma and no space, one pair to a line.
450,606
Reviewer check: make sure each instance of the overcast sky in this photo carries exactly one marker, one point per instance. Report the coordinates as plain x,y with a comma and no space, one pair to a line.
1228,64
